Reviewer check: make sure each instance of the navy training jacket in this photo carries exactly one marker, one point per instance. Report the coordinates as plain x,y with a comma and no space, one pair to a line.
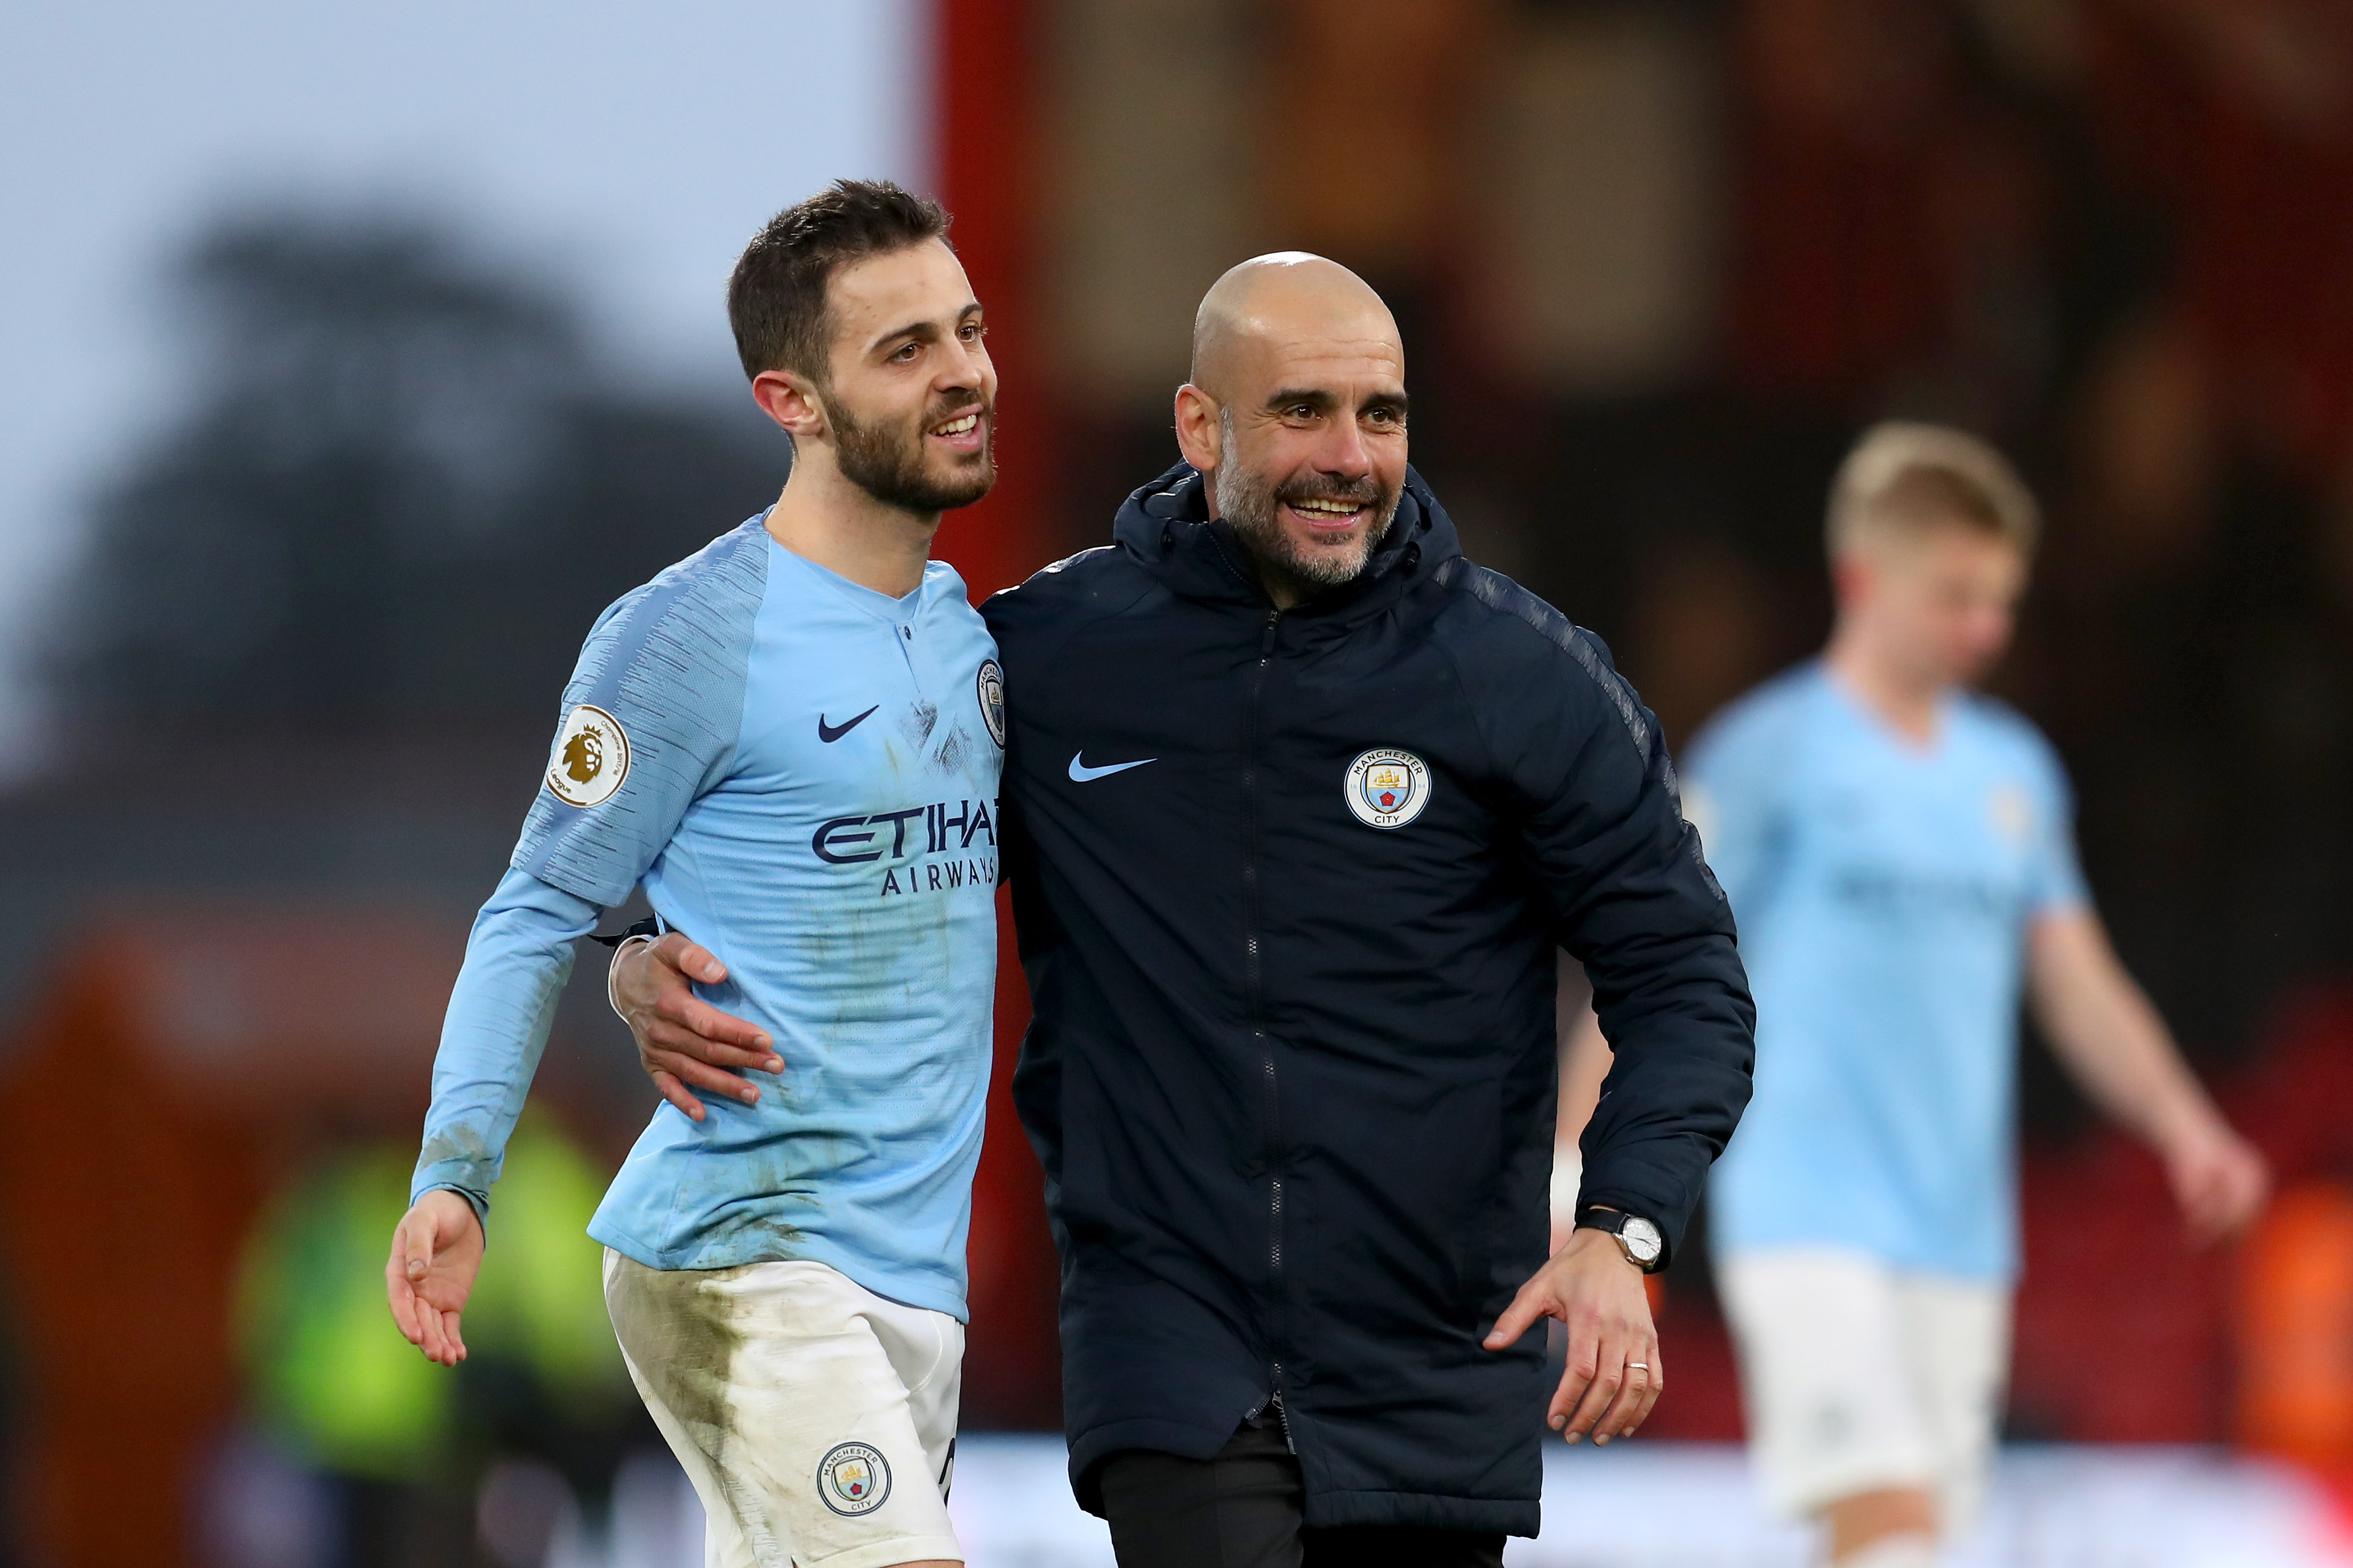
1288,886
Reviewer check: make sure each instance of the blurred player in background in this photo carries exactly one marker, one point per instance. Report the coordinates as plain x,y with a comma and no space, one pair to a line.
1898,851
793,739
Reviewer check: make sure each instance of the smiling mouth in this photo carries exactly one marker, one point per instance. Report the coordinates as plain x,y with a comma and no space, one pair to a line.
1323,512
962,424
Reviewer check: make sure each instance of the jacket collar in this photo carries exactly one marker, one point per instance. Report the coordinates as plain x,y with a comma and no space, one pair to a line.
1165,526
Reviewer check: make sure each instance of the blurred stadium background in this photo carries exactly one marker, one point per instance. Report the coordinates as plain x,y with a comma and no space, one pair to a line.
351,363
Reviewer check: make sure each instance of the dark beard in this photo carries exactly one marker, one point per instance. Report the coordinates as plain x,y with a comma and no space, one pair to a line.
1247,502
888,464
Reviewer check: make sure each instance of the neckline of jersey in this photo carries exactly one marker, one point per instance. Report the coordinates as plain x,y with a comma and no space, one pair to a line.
875,603
1876,724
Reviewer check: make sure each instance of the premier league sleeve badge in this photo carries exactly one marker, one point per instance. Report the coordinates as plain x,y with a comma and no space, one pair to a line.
591,758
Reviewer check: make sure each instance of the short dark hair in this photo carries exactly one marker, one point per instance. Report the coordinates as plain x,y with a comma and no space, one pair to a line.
777,297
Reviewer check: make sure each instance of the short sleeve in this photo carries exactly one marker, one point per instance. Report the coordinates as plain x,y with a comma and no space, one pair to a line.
2054,876
651,720
1732,795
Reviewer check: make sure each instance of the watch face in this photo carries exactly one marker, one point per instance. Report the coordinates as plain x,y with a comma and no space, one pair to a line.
1642,1238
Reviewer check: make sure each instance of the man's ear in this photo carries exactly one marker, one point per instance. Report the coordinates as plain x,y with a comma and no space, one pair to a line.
1853,577
1199,434
792,402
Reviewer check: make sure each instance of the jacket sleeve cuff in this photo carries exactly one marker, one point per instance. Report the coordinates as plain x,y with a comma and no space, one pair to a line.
1671,1225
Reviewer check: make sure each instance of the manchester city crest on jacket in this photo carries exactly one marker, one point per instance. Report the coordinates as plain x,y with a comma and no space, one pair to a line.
1387,788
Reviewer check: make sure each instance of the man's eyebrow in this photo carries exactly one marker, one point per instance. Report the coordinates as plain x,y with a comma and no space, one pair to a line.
1315,399
919,332
923,332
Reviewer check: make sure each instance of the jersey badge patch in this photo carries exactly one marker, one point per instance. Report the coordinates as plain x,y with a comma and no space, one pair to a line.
592,757
992,699
2011,812
853,1479
1386,788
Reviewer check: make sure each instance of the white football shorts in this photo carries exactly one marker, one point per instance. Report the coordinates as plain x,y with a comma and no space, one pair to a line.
1858,1376
815,1419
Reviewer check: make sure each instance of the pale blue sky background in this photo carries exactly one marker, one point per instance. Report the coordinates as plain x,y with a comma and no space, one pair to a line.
644,142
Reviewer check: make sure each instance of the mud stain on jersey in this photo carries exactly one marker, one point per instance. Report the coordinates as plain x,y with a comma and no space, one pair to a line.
950,754
462,1144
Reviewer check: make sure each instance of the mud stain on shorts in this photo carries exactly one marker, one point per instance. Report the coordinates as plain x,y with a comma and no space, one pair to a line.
685,1341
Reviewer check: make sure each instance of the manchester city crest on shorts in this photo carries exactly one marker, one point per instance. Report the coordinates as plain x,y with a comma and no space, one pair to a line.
591,758
853,1479
992,699
1386,788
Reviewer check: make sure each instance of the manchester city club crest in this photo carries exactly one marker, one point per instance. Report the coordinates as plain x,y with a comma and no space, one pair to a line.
1386,788
853,1479
2012,812
992,699
591,758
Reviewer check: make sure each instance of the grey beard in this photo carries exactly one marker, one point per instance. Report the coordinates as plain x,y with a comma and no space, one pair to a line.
1247,502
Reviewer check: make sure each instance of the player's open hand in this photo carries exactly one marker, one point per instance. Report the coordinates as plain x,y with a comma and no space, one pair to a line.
681,1039
1614,1374
437,1250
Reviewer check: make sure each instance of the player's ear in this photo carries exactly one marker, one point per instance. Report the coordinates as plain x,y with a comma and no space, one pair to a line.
1199,434
1852,576
791,401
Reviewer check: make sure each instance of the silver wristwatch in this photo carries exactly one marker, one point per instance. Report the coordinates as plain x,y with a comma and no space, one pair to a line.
1637,1237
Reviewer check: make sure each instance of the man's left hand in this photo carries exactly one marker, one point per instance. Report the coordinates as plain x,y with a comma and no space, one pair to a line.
684,1042
1614,1374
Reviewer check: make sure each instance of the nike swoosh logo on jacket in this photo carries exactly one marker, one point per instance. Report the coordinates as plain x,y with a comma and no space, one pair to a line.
1081,774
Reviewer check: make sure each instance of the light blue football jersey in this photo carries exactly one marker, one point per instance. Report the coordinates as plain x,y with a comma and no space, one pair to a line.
1884,892
803,774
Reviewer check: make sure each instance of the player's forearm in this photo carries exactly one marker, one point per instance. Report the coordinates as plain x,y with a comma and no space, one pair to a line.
2110,1036
517,959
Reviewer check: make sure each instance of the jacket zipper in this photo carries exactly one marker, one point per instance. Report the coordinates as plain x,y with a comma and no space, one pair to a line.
1253,989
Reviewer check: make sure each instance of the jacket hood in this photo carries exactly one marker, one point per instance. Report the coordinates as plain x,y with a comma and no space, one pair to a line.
1165,526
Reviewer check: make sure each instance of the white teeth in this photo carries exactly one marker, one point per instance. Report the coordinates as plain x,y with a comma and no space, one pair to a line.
1328,508
956,426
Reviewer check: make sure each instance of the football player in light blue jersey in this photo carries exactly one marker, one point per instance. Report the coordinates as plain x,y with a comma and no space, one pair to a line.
792,741
1898,851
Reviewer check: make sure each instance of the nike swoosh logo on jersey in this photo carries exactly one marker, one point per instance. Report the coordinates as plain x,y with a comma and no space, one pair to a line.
830,733
1081,774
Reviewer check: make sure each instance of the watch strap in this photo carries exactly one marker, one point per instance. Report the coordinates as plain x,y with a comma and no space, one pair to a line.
1614,1222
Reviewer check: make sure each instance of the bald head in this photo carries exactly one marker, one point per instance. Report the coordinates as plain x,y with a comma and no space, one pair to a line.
1296,413
1288,299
